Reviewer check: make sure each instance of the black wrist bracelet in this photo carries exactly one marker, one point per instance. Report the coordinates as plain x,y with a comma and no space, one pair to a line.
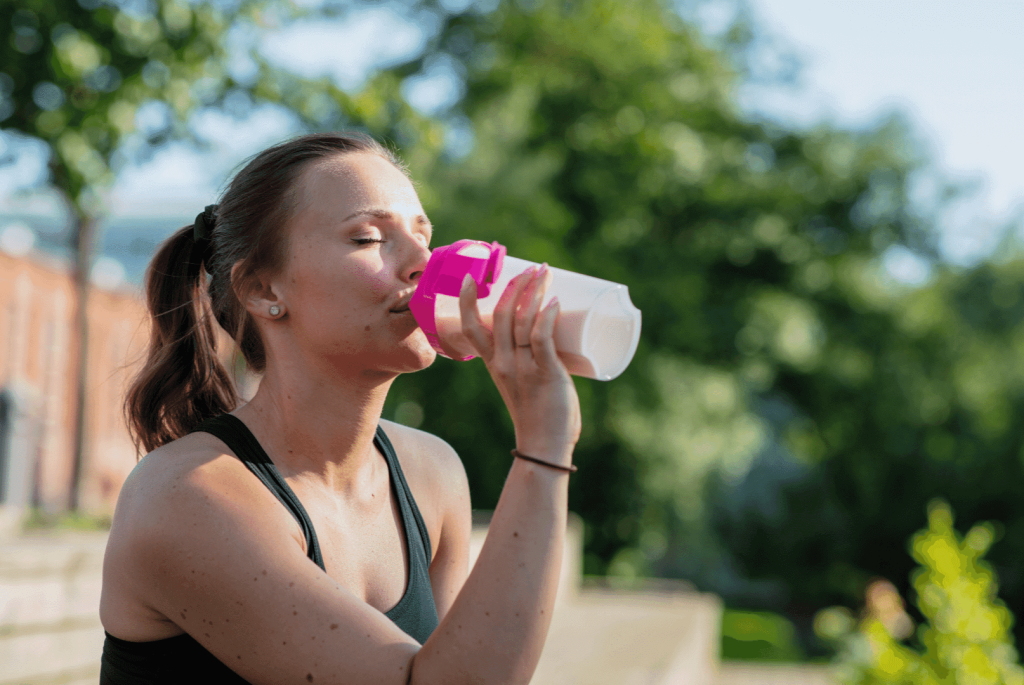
571,468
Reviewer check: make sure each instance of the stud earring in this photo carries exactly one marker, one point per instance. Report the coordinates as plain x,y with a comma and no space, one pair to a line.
275,310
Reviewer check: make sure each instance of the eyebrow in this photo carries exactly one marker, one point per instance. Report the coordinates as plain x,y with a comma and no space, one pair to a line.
386,215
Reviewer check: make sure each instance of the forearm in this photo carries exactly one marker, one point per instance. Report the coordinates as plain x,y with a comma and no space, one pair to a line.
495,630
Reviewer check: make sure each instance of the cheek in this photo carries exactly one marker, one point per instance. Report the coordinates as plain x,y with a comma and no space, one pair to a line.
352,280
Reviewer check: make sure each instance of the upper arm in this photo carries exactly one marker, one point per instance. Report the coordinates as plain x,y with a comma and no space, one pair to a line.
228,572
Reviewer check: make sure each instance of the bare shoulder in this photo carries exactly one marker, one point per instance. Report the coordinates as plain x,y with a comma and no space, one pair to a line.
424,456
177,498
169,476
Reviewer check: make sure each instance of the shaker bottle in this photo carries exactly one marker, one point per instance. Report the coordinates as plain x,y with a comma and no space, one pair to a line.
597,330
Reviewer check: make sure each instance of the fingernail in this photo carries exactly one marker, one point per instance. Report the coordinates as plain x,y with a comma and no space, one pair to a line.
554,302
467,279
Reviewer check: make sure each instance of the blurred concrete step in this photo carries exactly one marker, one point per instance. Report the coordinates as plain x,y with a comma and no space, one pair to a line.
615,637
662,634
50,632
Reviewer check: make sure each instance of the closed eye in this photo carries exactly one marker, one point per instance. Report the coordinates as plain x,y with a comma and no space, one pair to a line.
367,241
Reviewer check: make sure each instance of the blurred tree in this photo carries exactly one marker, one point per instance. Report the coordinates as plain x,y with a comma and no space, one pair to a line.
930,412
966,638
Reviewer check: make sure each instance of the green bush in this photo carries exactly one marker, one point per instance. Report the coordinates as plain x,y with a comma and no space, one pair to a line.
965,639
758,636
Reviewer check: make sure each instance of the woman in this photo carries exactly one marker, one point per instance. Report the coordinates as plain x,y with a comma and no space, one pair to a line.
299,537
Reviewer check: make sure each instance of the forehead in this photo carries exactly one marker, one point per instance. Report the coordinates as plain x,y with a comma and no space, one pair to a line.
346,183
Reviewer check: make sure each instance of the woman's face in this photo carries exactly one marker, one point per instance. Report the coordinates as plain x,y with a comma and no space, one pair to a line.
357,244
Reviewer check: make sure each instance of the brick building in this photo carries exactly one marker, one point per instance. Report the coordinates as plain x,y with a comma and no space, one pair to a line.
37,391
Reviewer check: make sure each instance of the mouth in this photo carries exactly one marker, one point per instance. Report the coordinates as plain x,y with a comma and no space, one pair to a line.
403,303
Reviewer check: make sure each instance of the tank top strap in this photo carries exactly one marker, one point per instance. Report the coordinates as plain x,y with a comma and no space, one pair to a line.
415,612
406,502
236,435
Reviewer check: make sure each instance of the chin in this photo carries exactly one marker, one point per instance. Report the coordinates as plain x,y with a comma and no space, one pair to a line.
417,354
425,355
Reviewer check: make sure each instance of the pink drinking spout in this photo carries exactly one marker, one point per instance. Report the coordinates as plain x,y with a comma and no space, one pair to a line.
597,331
444,274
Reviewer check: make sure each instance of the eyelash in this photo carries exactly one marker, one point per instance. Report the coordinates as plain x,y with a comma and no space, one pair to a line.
367,241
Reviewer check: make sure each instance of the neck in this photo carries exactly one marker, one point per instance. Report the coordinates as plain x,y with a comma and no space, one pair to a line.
318,429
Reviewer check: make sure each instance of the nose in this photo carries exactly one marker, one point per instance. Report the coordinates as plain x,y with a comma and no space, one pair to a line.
418,254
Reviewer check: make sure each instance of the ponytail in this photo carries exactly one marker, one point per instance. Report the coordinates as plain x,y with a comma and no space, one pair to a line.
183,381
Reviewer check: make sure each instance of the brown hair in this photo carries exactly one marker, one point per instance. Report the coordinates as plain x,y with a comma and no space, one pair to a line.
189,284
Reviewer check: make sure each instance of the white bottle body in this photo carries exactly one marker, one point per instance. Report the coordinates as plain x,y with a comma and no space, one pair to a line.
596,333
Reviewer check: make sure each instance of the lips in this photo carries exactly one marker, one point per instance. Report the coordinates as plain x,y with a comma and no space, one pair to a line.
403,303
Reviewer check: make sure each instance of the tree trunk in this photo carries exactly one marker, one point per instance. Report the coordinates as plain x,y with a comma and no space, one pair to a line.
82,238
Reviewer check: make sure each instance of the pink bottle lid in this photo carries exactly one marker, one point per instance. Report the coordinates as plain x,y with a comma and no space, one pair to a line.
443,276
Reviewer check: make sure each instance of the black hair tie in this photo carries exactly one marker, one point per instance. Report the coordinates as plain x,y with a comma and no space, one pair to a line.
202,230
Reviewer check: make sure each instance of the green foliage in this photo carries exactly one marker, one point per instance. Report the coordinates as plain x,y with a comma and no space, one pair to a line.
929,411
758,636
966,638
74,77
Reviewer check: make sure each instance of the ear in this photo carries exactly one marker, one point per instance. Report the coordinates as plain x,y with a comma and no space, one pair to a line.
258,294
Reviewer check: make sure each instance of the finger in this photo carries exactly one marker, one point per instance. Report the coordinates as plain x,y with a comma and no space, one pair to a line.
542,337
504,313
529,305
472,326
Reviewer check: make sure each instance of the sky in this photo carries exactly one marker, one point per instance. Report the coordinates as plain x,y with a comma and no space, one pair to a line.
954,69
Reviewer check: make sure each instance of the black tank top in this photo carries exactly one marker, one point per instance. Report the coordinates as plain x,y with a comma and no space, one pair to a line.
181,659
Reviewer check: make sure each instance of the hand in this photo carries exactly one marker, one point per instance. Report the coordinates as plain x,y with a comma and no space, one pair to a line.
520,355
